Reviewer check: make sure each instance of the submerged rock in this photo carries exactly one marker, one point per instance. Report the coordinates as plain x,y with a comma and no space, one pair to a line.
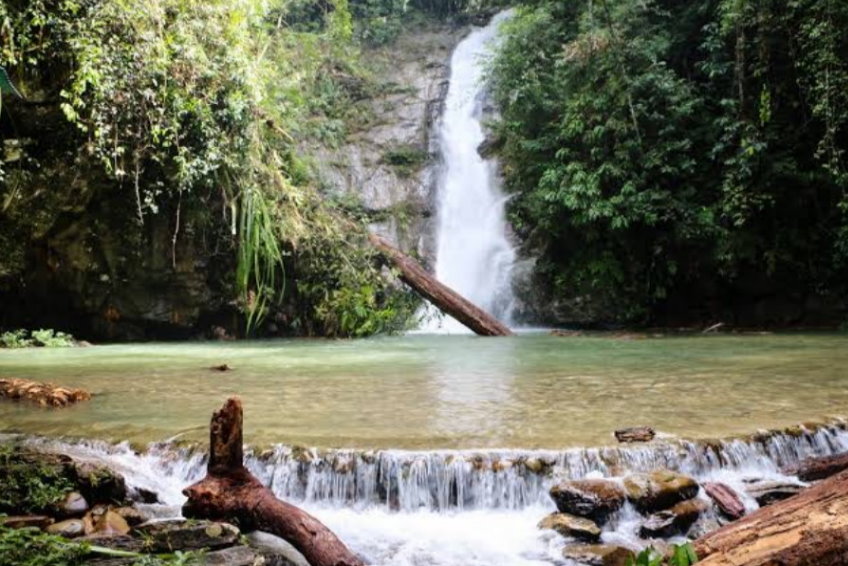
595,499
598,554
635,434
571,526
674,521
70,528
659,490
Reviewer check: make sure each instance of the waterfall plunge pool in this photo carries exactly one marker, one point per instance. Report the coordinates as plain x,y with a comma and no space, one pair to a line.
440,392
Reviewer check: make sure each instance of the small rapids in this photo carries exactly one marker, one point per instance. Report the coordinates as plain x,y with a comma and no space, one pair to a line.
458,507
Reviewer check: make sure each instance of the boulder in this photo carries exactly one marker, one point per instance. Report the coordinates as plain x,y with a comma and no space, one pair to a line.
168,536
109,523
132,515
659,490
73,505
99,484
635,434
766,492
277,551
594,499
69,528
571,526
726,499
598,554
674,521
813,469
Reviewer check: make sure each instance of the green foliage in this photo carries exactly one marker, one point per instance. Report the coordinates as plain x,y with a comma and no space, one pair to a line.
660,149
406,159
207,105
679,555
30,485
47,338
31,547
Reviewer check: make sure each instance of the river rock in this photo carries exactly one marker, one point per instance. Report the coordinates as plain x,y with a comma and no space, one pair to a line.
99,484
767,492
595,499
132,515
726,499
110,524
24,521
813,469
277,551
674,521
635,434
69,528
597,554
659,490
168,536
571,526
73,505
233,556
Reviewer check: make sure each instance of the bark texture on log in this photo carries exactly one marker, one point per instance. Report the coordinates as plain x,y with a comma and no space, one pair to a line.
809,529
445,298
230,492
725,499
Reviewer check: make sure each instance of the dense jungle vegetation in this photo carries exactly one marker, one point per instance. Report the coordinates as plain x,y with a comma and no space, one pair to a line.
174,128
668,160
680,159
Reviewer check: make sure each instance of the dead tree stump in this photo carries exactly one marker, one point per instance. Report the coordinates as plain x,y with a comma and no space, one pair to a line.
229,492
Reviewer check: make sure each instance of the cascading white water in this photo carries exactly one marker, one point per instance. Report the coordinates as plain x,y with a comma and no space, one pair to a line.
473,254
456,507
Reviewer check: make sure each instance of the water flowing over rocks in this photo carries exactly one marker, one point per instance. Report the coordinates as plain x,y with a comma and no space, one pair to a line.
659,489
571,526
595,499
398,489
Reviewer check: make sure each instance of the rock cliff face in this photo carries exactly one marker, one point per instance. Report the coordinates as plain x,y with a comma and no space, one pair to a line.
80,261
390,167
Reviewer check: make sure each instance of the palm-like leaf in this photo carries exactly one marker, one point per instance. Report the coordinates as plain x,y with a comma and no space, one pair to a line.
6,84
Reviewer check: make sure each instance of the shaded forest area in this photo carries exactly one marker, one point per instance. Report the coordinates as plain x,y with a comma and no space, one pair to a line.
677,162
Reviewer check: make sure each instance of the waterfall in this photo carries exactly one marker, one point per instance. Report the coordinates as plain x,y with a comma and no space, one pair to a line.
473,253
443,480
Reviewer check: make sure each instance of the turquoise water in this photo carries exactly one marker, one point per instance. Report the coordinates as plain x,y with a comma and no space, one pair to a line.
427,391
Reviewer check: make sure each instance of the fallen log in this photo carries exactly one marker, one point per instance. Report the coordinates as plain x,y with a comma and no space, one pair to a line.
44,394
813,469
443,297
229,492
809,529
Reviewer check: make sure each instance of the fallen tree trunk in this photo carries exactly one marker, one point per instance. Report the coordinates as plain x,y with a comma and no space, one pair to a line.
230,492
809,529
446,299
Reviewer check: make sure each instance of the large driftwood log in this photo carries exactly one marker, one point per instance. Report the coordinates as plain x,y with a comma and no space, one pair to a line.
445,298
230,492
809,529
